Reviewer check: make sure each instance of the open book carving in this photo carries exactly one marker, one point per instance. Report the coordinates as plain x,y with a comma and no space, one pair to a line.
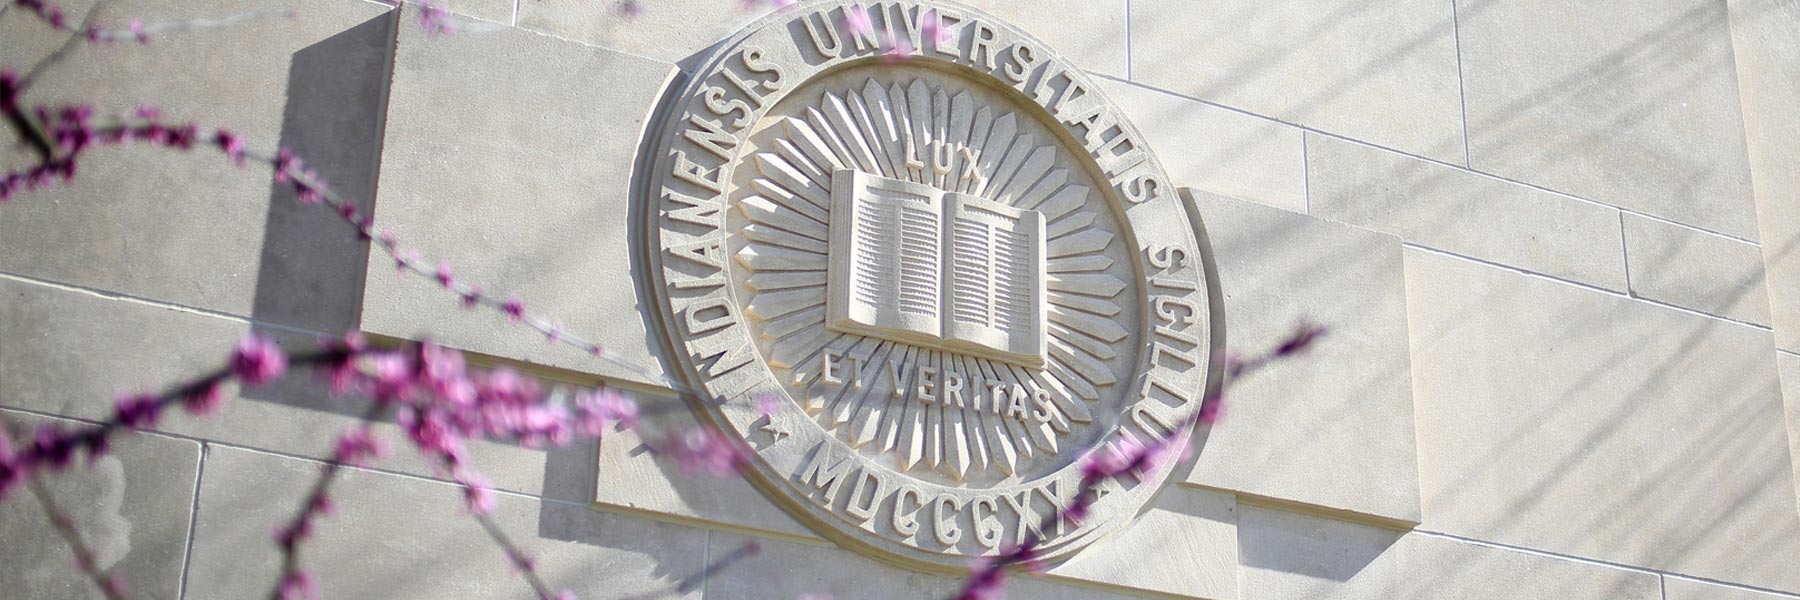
913,263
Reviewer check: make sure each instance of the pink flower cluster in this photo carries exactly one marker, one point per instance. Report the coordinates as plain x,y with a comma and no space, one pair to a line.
70,131
894,47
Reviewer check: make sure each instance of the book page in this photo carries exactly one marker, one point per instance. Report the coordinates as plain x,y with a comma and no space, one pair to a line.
994,277
886,272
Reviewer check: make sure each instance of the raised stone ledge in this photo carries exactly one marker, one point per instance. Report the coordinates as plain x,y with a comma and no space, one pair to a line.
1378,70
1333,428
1465,213
504,158
1219,150
1548,414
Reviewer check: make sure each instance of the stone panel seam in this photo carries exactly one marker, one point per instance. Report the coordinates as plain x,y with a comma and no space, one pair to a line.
705,563
611,49
1462,96
1585,286
1305,177
1597,563
1662,586
1625,252
646,514
187,552
1128,53
1787,352
142,301
1434,161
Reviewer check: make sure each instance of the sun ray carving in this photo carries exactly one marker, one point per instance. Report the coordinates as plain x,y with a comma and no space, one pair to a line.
920,133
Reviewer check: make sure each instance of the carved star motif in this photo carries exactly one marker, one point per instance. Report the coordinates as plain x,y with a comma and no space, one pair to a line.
775,430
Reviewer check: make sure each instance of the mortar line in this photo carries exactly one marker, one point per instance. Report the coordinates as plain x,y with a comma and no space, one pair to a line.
1305,176
1431,160
1462,95
1586,286
187,554
1128,57
1625,253
1596,562
142,301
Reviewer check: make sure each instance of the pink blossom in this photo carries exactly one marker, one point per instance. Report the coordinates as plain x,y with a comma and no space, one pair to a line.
138,411
706,449
435,19
445,277
628,9
597,412
357,446
258,361
477,494
899,51
856,17
515,309
933,26
206,399
767,404
298,585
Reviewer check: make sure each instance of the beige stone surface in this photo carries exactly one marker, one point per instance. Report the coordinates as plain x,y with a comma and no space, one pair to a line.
186,227
1629,102
507,160
1566,420
132,508
1216,149
1678,588
1195,537
1692,269
1465,213
1333,428
65,355
1382,71
1291,555
1091,34
399,537
1790,396
631,477
784,569
1765,38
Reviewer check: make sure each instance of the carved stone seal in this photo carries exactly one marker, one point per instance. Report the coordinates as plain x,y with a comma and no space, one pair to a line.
948,259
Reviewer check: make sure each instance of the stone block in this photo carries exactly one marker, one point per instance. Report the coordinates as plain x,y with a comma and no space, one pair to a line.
1633,103
510,156
1712,274
77,360
400,537
1765,38
1291,555
632,478
1570,421
1465,213
132,509
1677,588
1091,34
1219,150
1382,71
787,569
1195,541
187,227
1290,432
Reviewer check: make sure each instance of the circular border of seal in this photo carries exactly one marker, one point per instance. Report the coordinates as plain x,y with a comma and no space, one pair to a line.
918,524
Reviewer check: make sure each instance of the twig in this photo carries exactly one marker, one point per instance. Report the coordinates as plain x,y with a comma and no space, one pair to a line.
109,583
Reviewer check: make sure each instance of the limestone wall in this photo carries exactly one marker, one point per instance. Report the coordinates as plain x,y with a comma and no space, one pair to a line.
1554,242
